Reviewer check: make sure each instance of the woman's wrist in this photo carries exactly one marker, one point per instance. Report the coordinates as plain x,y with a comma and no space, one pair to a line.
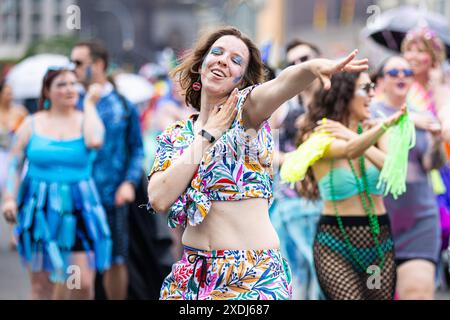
205,142
207,135
309,66
88,104
215,133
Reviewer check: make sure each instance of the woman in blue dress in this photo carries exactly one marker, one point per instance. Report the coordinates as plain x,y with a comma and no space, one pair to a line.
60,224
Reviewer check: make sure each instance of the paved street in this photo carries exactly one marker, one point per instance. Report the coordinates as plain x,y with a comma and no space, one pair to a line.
14,283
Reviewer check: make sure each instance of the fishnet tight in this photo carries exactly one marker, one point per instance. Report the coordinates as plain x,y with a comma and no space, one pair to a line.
340,277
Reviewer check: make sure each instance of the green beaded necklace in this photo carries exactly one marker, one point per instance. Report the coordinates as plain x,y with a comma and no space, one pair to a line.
368,209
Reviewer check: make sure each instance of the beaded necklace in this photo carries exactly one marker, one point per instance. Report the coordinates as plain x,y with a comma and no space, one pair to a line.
368,209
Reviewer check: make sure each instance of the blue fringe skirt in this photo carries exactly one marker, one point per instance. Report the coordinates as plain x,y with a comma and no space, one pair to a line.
53,217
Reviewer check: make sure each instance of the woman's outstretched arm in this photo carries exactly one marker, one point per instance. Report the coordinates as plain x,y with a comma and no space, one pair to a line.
351,145
267,97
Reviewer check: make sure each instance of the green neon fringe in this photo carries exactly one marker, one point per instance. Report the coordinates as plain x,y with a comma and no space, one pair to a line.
296,163
402,137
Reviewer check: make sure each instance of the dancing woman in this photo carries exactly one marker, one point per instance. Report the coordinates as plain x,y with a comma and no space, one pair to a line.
213,172
353,238
59,218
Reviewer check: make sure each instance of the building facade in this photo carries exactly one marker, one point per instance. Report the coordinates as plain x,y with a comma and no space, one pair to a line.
23,22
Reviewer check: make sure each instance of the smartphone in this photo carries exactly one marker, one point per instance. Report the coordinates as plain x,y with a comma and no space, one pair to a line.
88,74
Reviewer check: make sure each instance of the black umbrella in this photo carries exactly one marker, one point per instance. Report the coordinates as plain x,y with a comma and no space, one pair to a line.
389,28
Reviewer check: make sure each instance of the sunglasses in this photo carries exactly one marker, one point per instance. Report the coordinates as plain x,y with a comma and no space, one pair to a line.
58,68
395,72
364,90
77,63
300,60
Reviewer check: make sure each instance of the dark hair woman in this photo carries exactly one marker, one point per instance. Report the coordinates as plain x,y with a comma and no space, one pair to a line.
213,172
353,238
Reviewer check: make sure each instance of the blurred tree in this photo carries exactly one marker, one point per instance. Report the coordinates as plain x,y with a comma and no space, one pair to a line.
57,45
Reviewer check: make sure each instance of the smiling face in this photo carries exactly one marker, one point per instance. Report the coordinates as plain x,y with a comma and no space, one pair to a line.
364,92
397,78
224,66
419,57
62,91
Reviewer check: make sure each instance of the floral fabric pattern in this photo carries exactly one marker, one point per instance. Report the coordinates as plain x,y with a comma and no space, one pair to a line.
237,166
228,275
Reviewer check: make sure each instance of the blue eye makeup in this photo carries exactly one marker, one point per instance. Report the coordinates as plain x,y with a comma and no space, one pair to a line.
237,79
237,60
216,51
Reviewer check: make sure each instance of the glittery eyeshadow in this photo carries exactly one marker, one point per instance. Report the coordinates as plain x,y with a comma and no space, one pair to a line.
216,51
238,60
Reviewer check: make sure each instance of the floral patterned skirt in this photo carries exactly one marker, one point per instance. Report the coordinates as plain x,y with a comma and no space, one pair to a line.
228,275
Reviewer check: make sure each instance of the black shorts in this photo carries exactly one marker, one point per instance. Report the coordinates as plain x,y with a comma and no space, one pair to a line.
118,224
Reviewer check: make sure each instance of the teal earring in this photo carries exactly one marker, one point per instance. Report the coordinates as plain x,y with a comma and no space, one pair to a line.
46,104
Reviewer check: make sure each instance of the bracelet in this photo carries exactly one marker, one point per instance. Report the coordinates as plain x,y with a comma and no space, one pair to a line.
207,135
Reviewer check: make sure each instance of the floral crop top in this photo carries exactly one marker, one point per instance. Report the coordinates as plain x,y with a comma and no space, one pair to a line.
237,166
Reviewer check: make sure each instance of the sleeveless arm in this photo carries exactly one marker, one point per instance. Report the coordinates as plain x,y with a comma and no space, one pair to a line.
15,157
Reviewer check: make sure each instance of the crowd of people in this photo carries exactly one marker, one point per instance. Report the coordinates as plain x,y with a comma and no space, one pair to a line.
206,155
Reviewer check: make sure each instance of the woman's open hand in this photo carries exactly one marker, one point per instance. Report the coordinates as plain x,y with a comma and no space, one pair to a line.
324,69
221,117
393,119
10,211
93,94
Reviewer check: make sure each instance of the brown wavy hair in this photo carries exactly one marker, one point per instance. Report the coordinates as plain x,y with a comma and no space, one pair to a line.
187,72
331,104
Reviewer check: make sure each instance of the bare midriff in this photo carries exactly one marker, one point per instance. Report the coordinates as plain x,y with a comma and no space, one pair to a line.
234,225
353,207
